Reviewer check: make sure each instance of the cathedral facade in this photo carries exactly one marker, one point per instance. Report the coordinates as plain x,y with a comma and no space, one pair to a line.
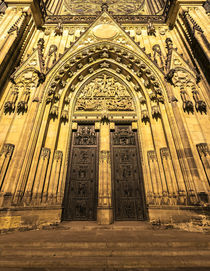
104,111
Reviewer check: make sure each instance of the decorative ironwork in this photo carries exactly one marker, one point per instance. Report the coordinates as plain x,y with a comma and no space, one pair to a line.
128,189
123,136
81,188
86,135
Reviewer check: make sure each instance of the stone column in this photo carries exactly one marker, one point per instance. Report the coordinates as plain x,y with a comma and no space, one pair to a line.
104,210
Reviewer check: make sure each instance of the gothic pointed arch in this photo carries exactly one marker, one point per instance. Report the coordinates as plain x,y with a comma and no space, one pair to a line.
104,91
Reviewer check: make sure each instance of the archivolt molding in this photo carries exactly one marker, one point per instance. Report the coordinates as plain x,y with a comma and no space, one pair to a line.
105,71
133,68
84,56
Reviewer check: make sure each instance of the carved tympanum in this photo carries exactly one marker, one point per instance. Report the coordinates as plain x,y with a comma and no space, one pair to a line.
104,93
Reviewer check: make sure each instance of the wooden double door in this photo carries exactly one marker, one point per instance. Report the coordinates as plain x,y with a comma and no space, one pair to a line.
80,201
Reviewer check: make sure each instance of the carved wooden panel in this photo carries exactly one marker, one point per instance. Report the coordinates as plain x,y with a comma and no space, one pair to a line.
81,188
127,177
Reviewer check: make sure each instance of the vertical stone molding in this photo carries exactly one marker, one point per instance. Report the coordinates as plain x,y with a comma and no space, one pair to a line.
204,152
155,177
12,36
40,176
55,176
5,157
104,211
9,106
170,176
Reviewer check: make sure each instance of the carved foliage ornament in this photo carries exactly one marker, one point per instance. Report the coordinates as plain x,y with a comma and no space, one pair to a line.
122,7
85,136
25,85
7,149
124,137
104,93
203,149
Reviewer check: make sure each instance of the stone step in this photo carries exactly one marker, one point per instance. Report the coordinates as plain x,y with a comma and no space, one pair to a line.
92,226
103,245
80,262
84,246
46,252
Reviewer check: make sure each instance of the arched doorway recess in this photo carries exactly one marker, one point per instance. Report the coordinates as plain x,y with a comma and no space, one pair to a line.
104,179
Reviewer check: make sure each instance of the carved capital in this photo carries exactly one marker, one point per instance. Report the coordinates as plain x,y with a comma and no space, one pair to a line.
45,153
9,106
188,106
65,115
22,106
164,152
156,112
144,116
58,155
201,106
54,111
203,149
7,149
152,155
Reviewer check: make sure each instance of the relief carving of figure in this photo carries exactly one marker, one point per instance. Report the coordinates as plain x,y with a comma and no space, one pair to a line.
104,92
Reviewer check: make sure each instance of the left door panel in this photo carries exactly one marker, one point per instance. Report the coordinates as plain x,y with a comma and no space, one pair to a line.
80,201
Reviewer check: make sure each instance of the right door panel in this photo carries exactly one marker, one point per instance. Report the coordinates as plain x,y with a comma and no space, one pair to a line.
128,187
